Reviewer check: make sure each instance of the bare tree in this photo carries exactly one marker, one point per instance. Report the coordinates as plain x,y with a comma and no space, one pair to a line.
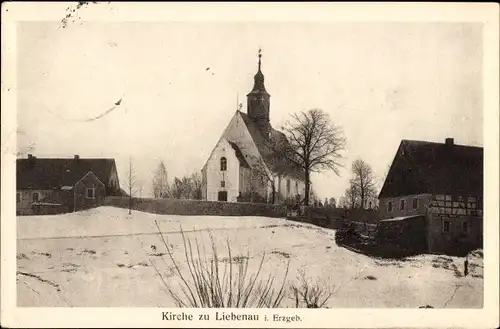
314,144
262,176
196,183
351,196
363,180
313,197
333,202
160,182
176,188
132,184
182,188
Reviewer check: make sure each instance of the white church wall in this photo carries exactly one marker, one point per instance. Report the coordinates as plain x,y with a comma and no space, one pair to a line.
296,187
230,177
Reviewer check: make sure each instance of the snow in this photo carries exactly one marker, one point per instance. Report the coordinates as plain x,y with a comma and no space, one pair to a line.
102,257
397,219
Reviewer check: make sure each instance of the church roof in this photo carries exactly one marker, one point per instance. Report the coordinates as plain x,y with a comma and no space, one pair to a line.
269,147
239,154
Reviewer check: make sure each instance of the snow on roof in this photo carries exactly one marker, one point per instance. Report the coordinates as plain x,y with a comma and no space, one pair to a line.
66,188
46,204
395,219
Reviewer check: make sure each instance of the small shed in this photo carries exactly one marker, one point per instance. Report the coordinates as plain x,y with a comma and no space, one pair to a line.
407,233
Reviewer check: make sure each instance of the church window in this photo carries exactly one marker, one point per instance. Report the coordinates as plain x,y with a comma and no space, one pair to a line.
223,164
222,183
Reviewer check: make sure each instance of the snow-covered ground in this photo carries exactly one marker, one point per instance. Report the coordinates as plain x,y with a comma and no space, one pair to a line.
103,257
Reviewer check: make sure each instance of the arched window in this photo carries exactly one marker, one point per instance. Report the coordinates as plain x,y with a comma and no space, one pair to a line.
223,164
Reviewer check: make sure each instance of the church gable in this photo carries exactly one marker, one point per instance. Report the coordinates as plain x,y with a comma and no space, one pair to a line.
237,133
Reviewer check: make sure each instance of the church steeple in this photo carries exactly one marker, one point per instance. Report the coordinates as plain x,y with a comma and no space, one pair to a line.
258,99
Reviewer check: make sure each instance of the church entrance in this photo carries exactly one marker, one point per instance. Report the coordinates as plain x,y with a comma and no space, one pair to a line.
222,196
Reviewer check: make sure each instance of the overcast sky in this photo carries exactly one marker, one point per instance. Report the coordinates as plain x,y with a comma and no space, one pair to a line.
381,82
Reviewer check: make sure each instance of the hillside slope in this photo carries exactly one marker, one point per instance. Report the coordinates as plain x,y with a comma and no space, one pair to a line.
104,257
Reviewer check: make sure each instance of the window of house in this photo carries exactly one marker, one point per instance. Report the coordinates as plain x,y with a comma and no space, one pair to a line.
297,187
36,197
223,164
415,203
287,187
222,183
446,226
471,205
402,205
389,206
448,202
90,193
465,227
18,197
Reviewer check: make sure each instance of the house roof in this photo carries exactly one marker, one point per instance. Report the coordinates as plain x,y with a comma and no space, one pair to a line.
267,147
48,173
239,154
436,168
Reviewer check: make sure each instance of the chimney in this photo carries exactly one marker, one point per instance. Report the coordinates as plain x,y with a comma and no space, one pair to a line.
449,141
31,160
77,157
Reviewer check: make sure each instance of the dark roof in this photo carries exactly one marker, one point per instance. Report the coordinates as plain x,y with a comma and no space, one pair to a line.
239,155
436,168
53,173
267,147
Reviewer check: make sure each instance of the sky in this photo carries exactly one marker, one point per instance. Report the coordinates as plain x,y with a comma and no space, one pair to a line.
381,82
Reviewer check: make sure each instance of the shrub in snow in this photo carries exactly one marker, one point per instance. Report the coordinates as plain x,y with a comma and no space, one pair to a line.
219,281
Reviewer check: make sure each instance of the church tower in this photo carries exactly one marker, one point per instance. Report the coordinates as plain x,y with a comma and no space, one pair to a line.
258,99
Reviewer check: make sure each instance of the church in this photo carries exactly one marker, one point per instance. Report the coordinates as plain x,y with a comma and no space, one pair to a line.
247,163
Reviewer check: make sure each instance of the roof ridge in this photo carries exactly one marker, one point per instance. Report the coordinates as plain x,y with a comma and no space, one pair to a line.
438,143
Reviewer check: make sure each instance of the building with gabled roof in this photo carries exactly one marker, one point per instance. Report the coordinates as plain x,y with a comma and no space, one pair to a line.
442,181
63,184
247,161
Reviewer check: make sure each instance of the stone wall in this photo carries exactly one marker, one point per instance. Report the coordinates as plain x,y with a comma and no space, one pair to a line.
198,207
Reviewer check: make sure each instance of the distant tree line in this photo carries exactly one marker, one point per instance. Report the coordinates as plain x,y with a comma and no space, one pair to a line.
186,187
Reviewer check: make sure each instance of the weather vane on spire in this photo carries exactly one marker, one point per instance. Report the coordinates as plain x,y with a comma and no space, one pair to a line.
260,55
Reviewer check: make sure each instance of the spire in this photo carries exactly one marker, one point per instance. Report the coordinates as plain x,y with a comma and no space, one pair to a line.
258,99
258,85
260,56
